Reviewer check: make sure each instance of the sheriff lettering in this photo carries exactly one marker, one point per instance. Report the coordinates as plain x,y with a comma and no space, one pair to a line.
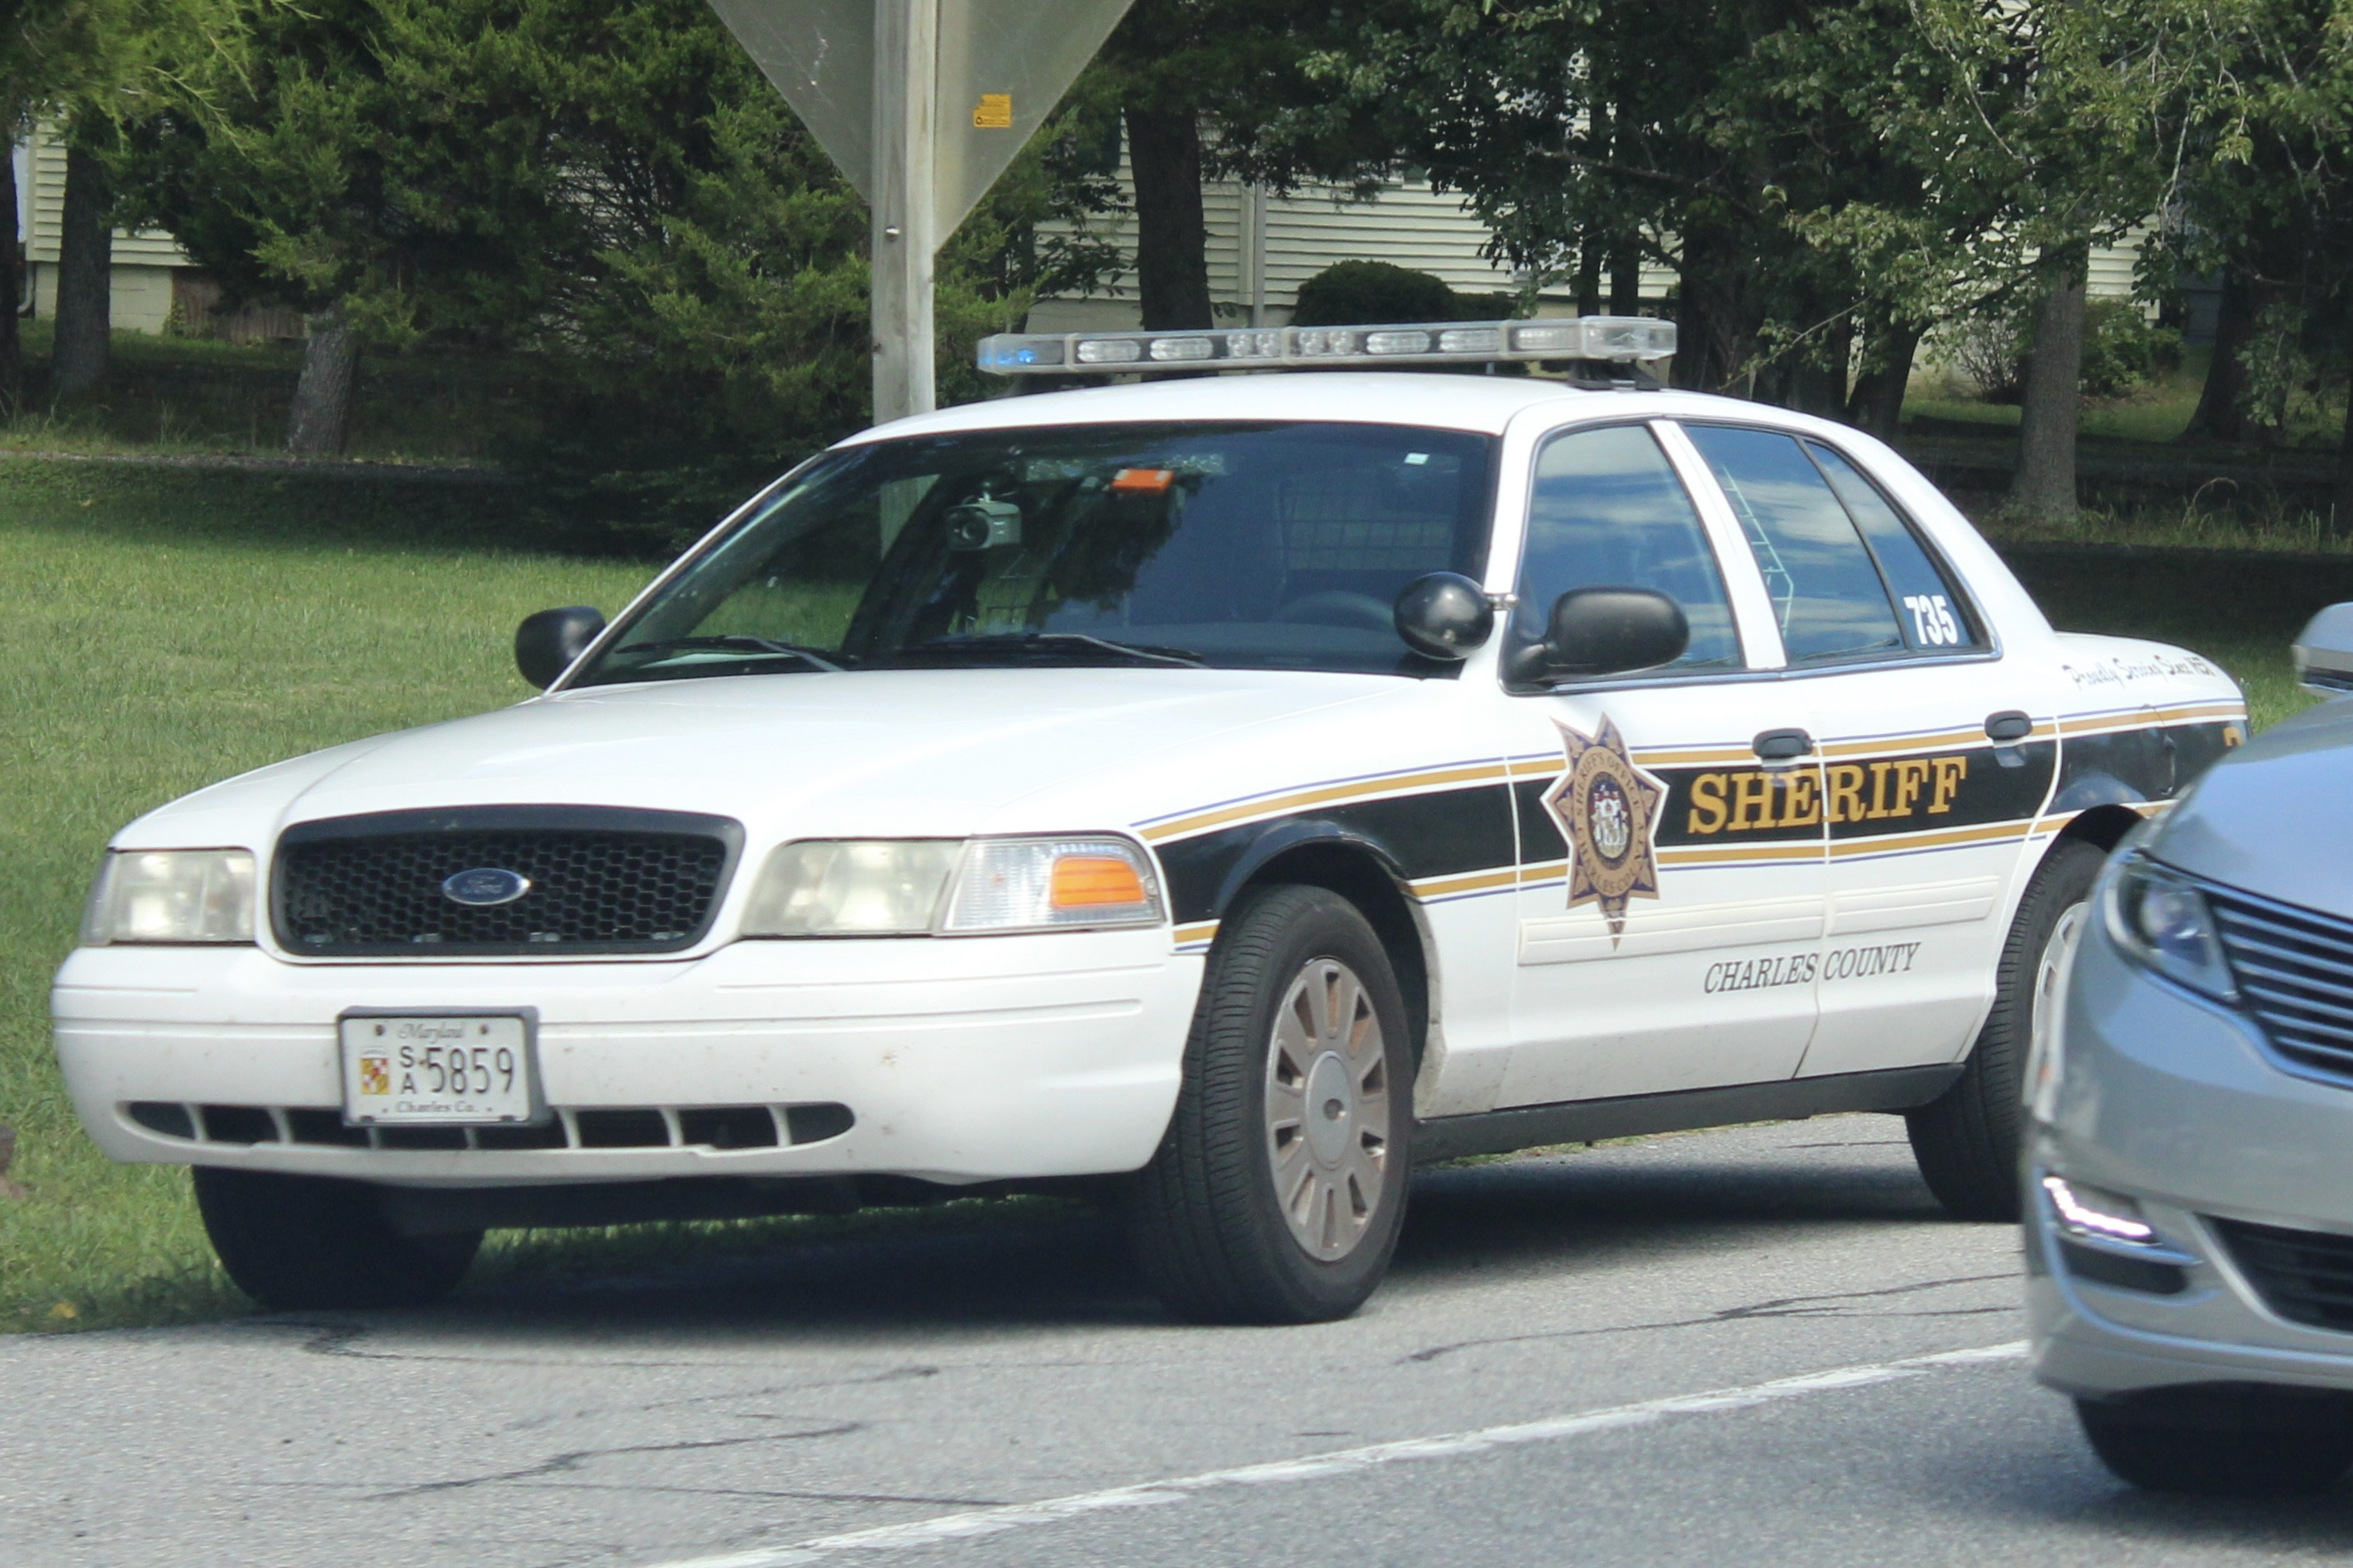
1748,799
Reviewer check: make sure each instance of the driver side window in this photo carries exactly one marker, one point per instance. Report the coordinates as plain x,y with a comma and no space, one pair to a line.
1607,511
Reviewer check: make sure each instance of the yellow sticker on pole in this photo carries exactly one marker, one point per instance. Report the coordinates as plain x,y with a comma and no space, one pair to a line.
992,112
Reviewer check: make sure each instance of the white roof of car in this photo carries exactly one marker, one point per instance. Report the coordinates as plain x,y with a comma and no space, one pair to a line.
1484,403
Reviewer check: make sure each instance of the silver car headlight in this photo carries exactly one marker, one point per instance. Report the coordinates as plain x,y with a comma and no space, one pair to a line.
2160,920
171,896
948,886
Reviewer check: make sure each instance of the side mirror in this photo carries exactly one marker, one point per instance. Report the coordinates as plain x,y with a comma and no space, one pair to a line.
1612,631
1443,615
2324,652
548,642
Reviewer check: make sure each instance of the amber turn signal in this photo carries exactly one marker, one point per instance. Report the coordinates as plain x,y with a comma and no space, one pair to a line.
1092,881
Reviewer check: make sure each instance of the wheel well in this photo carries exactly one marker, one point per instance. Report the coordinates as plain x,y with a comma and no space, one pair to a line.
2104,825
1365,882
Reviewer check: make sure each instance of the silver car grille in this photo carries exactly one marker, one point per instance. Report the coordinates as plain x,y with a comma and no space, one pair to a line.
2295,968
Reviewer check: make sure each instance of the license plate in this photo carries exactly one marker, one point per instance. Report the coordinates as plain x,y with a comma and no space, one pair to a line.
449,1068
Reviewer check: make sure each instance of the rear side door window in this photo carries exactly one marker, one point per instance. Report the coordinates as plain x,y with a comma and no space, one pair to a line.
1933,615
1847,577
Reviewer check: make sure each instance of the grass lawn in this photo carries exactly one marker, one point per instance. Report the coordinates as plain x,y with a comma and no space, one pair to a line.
168,627
163,629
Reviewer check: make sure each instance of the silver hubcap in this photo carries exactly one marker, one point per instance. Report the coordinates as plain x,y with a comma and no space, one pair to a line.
1327,1110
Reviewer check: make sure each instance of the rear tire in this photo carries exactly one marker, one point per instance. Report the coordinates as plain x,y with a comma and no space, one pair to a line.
306,1243
1280,1185
2227,1440
1966,1140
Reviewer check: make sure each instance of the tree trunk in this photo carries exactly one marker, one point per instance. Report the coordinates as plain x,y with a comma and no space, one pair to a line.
2341,512
1590,258
1817,381
1716,327
2222,413
1877,404
1172,259
11,286
1588,277
1626,282
78,356
322,398
2044,490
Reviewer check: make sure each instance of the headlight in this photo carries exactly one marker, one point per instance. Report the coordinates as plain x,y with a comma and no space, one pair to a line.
874,887
171,896
2096,1212
1052,884
2162,920
916,886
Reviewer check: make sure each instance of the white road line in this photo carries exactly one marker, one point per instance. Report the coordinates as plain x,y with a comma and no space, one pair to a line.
1345,1461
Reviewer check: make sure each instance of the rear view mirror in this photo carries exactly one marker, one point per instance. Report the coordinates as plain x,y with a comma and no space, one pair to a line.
1614,631
1443,614
2324,652
548,642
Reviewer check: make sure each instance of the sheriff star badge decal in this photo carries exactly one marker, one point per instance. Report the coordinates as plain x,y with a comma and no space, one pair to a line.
1609,810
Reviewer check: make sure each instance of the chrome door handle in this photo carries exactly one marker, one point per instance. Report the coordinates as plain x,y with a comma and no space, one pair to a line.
1782,745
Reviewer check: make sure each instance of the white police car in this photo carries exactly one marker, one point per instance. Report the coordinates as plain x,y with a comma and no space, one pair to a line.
1236,788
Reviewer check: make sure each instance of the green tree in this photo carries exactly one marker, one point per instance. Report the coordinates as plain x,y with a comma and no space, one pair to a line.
54,55
606,184
1828,181
1219,89
2266,195
86,67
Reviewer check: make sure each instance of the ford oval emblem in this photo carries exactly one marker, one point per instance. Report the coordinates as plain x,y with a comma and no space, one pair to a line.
485,886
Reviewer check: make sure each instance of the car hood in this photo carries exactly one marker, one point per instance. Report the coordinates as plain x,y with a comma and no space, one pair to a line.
2271,817
883,753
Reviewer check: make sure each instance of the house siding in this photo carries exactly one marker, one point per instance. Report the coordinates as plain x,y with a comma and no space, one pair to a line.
144,261
1406,224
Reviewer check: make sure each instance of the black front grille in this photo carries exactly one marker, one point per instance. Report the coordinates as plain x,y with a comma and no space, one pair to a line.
2304,1276
2294,967
601,882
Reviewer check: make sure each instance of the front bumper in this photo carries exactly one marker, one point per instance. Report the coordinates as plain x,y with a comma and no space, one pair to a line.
961,1061
2175,1103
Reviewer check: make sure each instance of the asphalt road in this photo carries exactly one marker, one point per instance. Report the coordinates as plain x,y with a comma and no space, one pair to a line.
1761,1345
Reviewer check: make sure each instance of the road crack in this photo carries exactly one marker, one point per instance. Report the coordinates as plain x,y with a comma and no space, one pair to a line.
561,1464
1779,1307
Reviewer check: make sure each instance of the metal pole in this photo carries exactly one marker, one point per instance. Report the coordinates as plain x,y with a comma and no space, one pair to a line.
906,103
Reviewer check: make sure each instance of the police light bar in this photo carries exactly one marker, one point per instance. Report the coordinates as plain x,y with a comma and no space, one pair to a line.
1618,339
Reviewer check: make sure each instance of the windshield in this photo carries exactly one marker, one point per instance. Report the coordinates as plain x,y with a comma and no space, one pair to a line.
1236,546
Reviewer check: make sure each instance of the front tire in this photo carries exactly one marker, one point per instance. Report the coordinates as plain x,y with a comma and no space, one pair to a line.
1279,1188
1967,1140
308,1243
2227,1440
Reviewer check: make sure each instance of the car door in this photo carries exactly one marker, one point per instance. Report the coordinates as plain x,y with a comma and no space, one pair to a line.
1671,889
1935,754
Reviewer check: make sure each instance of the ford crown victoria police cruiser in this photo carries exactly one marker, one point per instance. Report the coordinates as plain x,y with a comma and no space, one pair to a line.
1225,792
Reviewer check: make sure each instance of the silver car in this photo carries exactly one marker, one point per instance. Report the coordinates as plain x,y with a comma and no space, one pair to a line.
2189,1158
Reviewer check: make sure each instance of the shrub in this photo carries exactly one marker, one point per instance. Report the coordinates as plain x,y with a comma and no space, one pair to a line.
2121,349
1366,293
